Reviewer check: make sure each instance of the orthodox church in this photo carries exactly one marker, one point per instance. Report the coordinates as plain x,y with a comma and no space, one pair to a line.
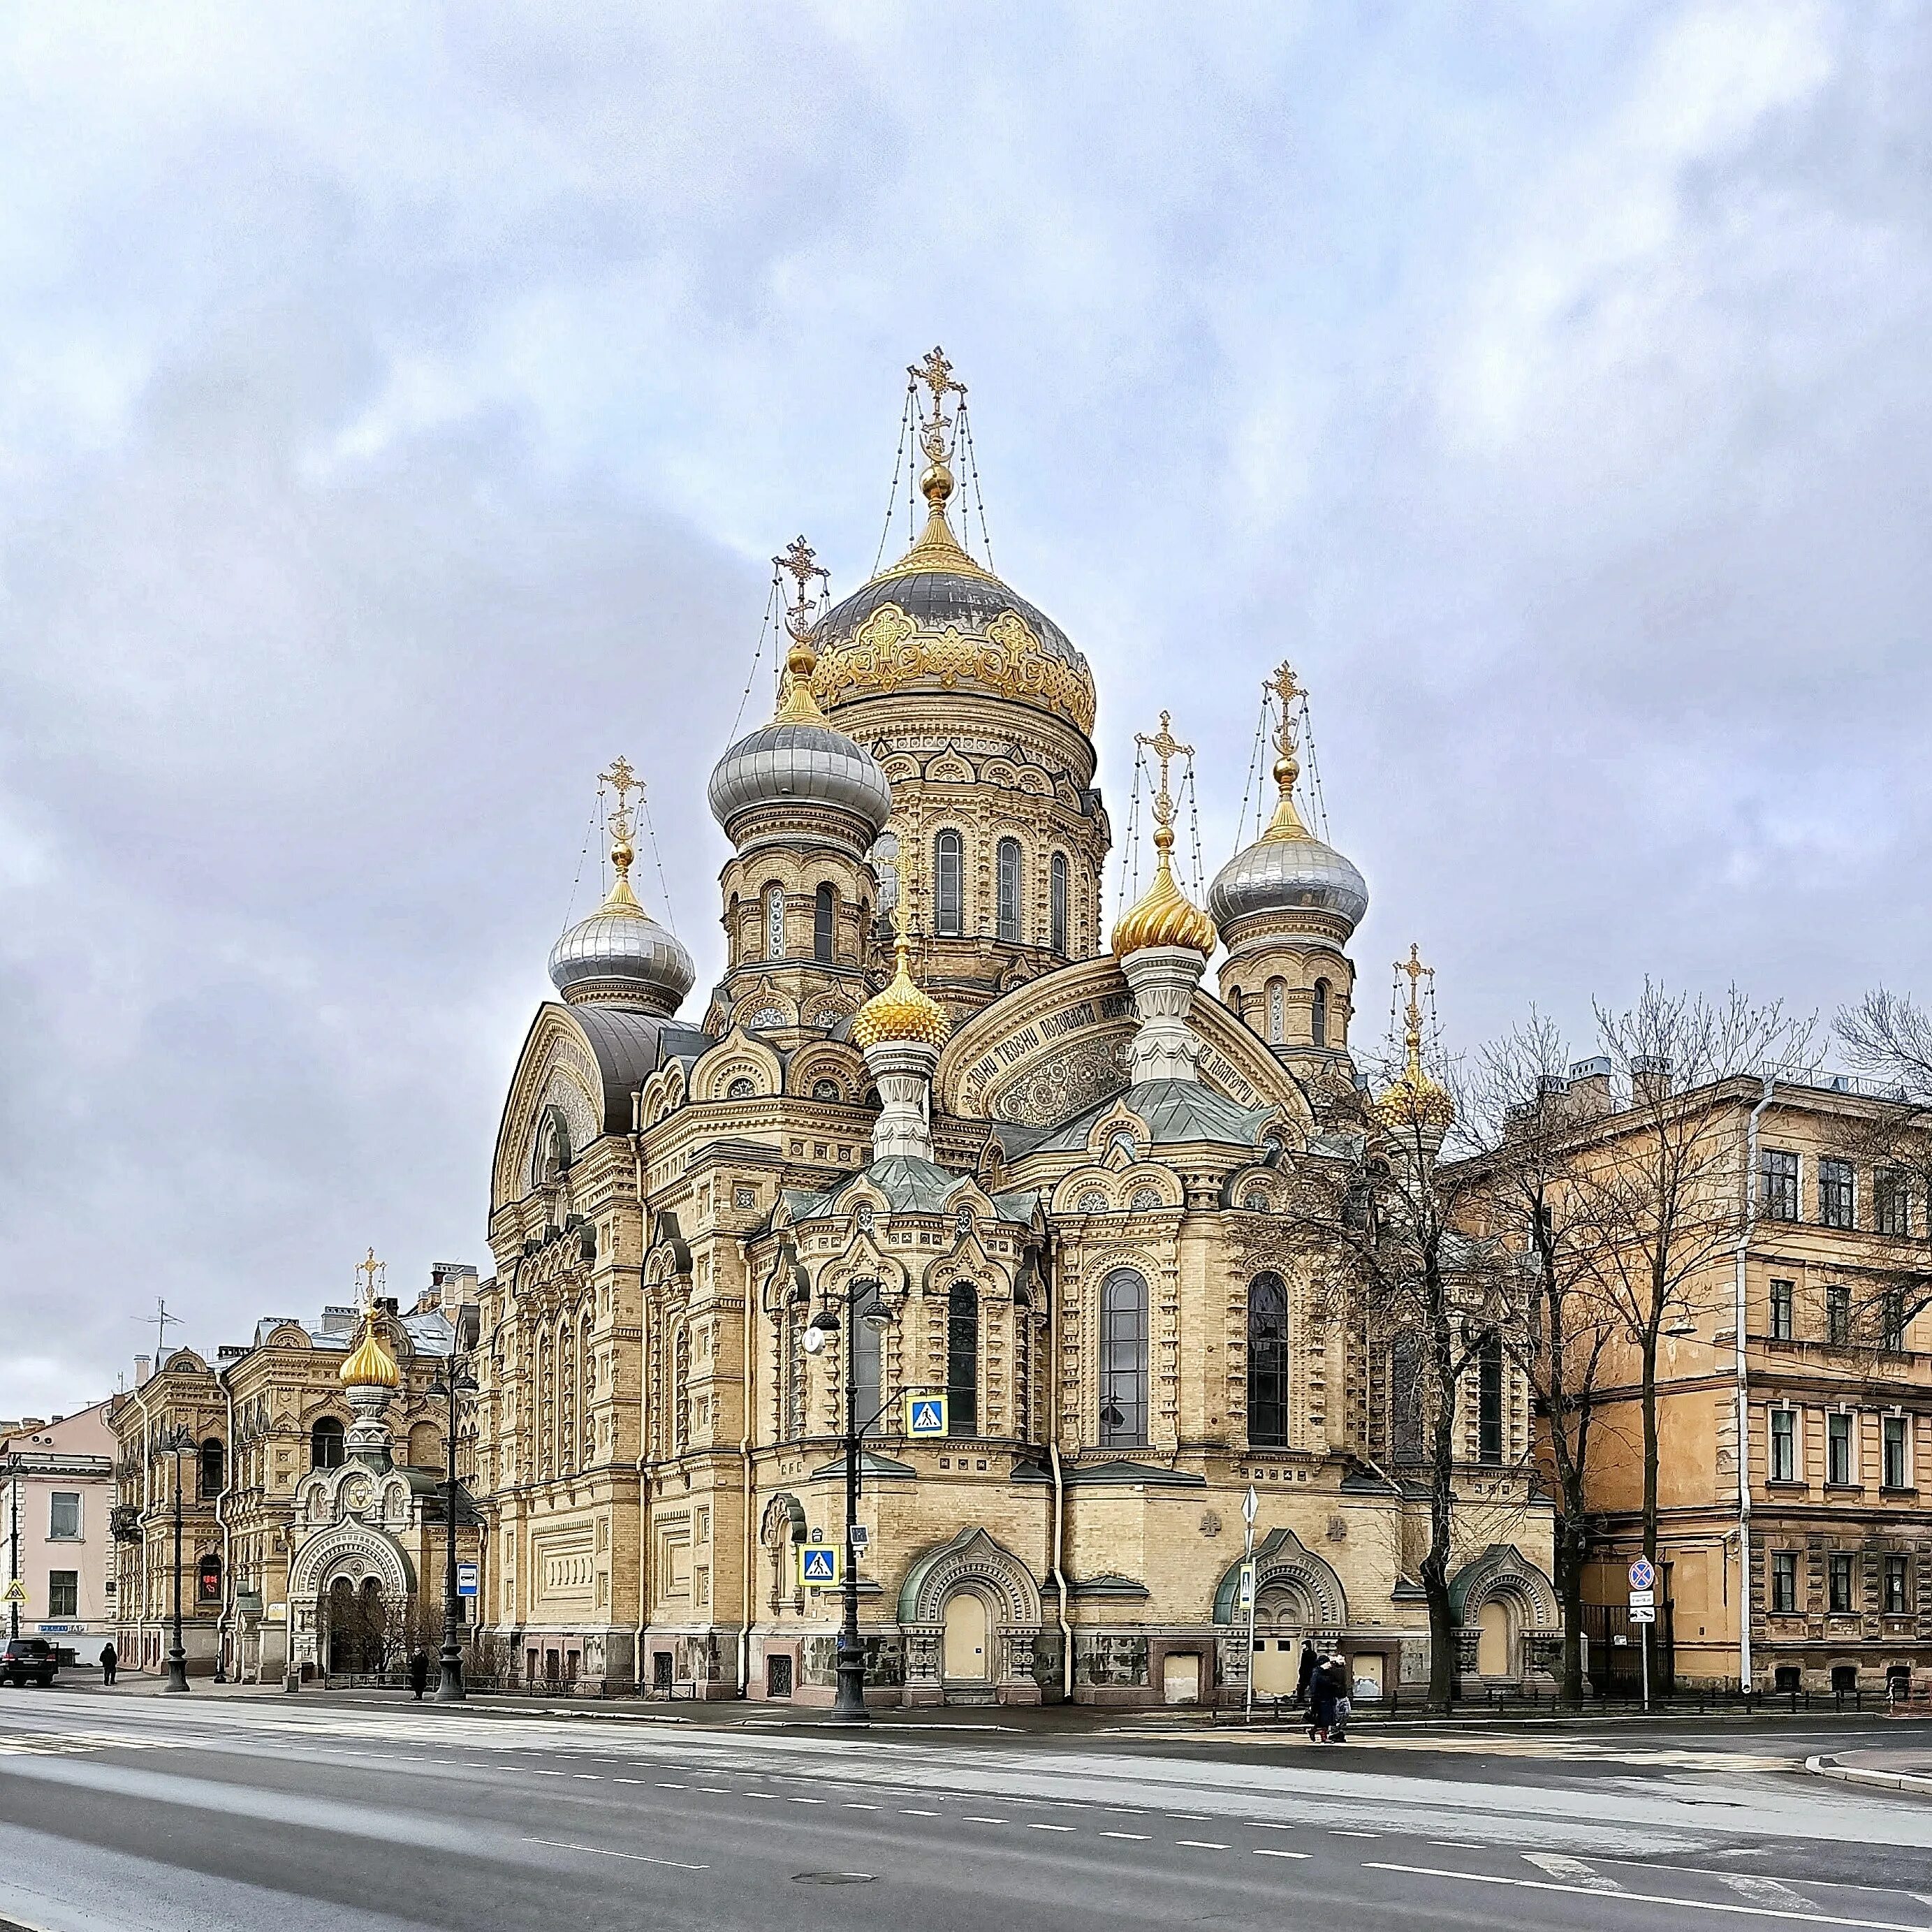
1021,1172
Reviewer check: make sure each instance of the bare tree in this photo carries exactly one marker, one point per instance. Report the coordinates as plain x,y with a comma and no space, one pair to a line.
1658,1197
1530,1129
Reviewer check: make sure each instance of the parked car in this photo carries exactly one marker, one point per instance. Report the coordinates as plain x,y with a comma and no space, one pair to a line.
22,1658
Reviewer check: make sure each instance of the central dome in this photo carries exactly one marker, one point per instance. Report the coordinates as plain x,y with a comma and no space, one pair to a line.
939,621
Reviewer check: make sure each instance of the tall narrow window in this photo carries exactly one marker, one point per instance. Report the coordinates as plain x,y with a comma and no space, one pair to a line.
1784,1580
1783,1327
1897,1591
1778,1185
868,1357
1123,1359
962,1359
64,1515
948,885
1892,1320
795,1360
1838,1448
1057,901
774,922
680,1391
1022,1371
1277,1012
1267,1362
822,905
1784,1445
1838,1314
1489,1400
325,1443
211,1482
1318,1021
1891,1201
1839,1580
1838,1194
1896,1475
1009,856
1405,1398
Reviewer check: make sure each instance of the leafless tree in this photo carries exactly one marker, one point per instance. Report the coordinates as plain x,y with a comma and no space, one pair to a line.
1522,1115
1659,1197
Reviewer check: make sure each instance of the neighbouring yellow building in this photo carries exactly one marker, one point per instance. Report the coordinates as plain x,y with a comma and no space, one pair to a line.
1027,1163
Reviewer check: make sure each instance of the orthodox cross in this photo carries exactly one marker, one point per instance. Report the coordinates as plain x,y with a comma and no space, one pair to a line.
1286,687
1166,748
1415,972
936,373
622,780
369,1271
801,560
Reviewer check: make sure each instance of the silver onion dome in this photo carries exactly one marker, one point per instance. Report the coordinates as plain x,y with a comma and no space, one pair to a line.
1278,874
621,956
804,760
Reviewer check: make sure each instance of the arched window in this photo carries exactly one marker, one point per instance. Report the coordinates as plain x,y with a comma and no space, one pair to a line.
1009,856
775,921
822,905
1057,901
1317,1024
1234,1000
949,889
1277,1012
1490,1399
868,1356
962,1359
680,1390
826,1090
325,1443
1267,1362
1123,1359
211,1482
1405,1398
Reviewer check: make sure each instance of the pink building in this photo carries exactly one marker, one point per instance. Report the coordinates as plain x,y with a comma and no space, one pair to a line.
56,1489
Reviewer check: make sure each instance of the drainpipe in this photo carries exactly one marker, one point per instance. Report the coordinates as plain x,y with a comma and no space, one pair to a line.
147,1502
1743,1396
225,1628
1049,1284
644,1404
747,1543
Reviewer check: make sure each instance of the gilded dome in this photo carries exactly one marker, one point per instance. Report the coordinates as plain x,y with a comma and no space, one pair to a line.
1412,1100
938,620
371,1365
1163,916
901,1011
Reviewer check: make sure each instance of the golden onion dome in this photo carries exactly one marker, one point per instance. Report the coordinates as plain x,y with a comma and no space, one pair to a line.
371,1365
1163,915
900,1012
1413,1100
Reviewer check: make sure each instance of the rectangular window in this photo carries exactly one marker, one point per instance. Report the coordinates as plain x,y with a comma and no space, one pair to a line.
1056,909
1783,1324
64,1517
63,1593
1838,1194
1784,1580
1838,1448
1891,1201
1778,1185
1840,1601
1838,1314
1892,1321
1897,1586
1489,1402
1784,1445
1897,1469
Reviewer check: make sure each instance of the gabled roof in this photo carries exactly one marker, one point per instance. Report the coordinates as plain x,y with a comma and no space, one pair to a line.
1176,1111
911,1186
631,1045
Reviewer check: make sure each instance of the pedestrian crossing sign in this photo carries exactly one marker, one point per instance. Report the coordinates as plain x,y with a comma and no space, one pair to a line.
820,1566
16,1591
925,1415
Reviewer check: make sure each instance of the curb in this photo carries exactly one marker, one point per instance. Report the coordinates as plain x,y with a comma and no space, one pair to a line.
1852,1774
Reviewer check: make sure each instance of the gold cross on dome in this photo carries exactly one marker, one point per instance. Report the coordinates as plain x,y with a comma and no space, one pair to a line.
1166,747
369,1271
936,373
802,561
1286,687
622,780
1415,972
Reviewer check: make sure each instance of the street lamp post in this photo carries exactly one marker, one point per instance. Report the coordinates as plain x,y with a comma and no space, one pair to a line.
449,1683
14,1544
176,1445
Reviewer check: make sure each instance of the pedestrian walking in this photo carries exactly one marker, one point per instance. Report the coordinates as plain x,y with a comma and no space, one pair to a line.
419,1673
1321,1703
1340,1686
109,1657
1305,1671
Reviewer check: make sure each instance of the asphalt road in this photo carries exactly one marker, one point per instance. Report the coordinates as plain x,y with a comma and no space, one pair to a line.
221,1815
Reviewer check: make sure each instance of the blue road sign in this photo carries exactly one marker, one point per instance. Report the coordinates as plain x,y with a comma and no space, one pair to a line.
819,1564
1642,1573
466,1579
925,1415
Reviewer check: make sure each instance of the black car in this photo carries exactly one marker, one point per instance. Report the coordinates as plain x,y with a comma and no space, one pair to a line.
22,1658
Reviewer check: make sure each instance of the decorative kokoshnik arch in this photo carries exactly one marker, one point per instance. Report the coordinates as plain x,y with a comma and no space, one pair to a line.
354,1550
1283,1560
972,1557
1502,1573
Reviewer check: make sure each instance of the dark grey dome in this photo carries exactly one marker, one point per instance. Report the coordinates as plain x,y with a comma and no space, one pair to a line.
935,598
813,763
1284,874
621,956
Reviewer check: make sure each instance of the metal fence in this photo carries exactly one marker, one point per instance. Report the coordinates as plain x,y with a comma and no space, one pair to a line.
1497,1702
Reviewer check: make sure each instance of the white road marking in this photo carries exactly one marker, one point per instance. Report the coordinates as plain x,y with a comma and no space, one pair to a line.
664,1784
1201,1844
861,1807
1139,1836
1651,1898
637,1858
920,1814
1034,1824
1573,1871
596,1776
1458,1845
1335,1834
807,1800
974,1818
1269,1852
1264,1825
1764,1890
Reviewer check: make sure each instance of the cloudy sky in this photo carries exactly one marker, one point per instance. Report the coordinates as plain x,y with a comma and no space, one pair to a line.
400,405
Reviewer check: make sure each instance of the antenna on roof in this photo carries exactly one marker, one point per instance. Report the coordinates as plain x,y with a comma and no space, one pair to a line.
160,1319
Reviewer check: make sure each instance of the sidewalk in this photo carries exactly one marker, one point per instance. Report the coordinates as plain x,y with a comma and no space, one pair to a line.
1892,1770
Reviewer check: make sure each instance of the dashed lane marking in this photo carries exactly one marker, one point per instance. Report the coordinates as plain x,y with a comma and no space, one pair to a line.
1201,1844
1650,1898
1140,1837
1037,1824
1269,1852
974,1818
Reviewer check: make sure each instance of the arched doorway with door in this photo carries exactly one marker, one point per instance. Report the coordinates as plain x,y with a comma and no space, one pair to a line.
1298,1596
1506,1609
969,1611
966,1645
1282,1620
357,1627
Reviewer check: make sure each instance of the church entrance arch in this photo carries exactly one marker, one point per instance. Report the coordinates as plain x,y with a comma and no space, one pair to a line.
966,1644
357,1621
1281,1616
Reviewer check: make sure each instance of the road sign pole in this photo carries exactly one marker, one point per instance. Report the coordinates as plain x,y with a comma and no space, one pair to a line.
1643,1655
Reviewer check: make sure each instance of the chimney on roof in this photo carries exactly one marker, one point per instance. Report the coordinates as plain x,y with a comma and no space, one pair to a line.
1590,1087
337,1320
1650,1078
144,1367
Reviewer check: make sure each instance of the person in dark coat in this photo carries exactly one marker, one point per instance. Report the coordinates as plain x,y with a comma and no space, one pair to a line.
109,1657
1306,1671
1342,1703
419,1673
1321,1703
